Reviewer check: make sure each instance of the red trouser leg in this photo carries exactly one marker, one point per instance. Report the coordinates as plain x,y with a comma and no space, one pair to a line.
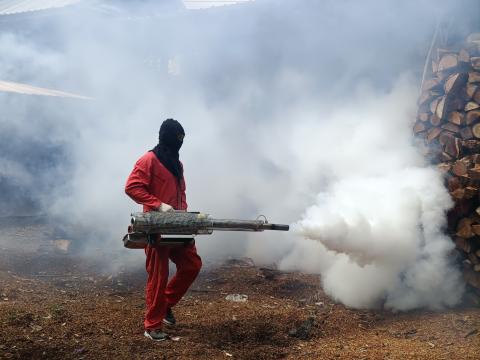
188,266
159,295
157,269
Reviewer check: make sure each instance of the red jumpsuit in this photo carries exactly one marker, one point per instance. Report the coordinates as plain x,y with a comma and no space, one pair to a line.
150,184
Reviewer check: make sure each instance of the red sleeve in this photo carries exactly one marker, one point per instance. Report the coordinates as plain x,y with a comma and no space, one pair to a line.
137,184
184,196
183,204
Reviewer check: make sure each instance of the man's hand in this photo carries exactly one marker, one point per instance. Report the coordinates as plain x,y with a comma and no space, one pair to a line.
165,207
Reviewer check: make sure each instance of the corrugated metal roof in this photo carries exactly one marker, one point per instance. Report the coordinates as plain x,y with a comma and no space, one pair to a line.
202,4
7,86
9,7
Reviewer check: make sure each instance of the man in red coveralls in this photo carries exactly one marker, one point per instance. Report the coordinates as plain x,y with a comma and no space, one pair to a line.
157,183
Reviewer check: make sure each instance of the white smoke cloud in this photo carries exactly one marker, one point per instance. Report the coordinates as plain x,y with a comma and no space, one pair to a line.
15,171
284,110
381,215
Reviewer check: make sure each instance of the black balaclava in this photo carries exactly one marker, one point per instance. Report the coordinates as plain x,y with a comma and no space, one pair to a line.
170,140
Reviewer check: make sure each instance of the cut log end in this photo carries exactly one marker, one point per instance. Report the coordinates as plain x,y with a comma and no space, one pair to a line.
472,117
447,62
476,130
456,118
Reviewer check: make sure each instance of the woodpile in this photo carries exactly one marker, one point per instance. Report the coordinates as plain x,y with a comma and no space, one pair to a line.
448,122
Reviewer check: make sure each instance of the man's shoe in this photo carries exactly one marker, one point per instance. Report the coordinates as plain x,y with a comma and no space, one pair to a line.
155,335
169,318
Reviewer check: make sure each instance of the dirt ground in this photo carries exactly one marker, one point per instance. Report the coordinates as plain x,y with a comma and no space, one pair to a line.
55,305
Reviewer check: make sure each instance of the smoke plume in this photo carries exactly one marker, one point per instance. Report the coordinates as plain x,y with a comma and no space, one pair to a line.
381,217
299,110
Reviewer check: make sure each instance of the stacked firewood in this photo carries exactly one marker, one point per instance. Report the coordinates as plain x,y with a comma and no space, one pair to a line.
448,122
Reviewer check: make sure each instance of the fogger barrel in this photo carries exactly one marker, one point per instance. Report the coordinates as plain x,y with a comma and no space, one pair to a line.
180,227
177,222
